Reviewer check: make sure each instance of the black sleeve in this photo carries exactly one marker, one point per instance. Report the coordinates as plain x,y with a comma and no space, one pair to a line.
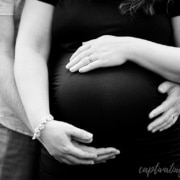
174,8
53,2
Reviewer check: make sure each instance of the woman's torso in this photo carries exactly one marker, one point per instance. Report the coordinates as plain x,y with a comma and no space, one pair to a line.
113,103
76,21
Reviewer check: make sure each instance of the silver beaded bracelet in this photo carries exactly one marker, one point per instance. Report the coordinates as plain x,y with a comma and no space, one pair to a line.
37,131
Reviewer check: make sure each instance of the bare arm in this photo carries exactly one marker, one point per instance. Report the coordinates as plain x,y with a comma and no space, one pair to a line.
8,88
107,51
164,60
32,50
171,106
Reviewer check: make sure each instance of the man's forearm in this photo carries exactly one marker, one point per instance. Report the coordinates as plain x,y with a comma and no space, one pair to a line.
8,88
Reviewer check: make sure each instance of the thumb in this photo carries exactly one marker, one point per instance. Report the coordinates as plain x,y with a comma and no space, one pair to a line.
165,87
81,135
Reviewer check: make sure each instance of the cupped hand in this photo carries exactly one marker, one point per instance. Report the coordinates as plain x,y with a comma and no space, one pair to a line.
167,113
105,51
103,154
65,143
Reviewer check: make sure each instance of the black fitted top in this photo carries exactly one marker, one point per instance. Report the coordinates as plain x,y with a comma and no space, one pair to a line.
173,7
76,21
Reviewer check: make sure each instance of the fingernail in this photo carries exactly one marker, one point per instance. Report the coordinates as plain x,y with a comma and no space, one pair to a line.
117,152
149,128
91,162
151,115
154,130
113,157
162,89
89,135
81,70
72,69
67,66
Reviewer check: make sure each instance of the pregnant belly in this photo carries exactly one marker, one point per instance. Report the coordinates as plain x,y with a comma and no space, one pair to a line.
107,98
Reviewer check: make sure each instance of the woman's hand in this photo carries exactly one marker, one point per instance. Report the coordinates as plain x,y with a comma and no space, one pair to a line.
105,51
167,113
64,142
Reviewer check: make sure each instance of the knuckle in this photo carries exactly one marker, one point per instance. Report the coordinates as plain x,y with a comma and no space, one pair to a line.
80,48
163,120
102,37
93,49
84,61
168,121
54,154
65,150
80,56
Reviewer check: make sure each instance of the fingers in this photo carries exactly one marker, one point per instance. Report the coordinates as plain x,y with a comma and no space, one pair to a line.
84,47
171,106
77,58
80,135
91,66
104,158
98,151
84,62
167,104
103,154
71,160
78,153
59,141
165,86
108,150
80,64
169,123
169,119
163,122
82,58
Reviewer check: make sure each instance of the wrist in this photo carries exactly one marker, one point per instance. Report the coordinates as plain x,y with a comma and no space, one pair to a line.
35,117
42,125
138,49
134,49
